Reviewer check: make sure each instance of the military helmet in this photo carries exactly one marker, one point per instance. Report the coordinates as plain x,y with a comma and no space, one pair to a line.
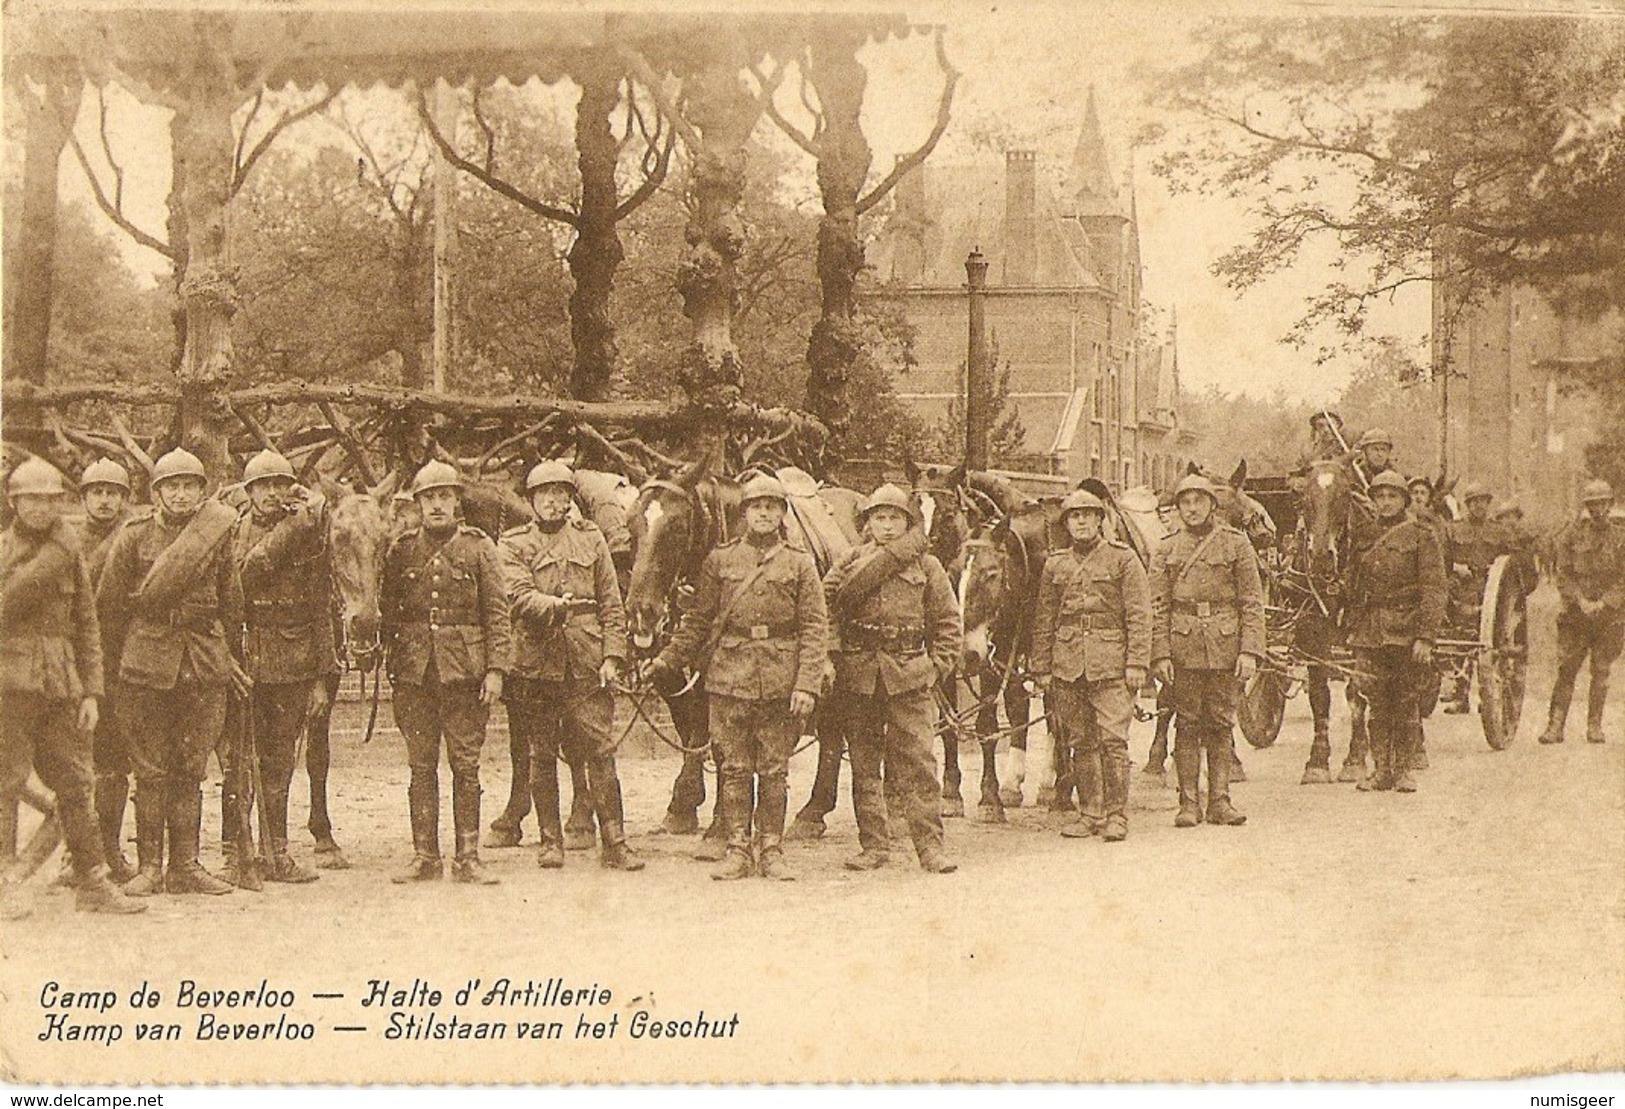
1081,500
177,463
267,464
1390,479
887,496
1325,415
1195,483
104,471
1374,438
1419,479
763,487
37,477
549,471
436,475
1596,490
1473,491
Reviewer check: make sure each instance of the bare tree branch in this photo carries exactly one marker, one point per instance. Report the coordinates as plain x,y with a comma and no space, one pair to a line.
652,180
795,134
113,208
489,132
244,165
490,180
906,164
639,66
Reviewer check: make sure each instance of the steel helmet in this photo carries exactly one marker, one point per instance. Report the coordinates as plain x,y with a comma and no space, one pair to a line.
177,463
37,477
1473,491
549,472
763,487
1596,490
436,475
887,496
1421,480
1375,437
104,471
266,464
1390,479
1194,483
1325,416
1507,509
1081,500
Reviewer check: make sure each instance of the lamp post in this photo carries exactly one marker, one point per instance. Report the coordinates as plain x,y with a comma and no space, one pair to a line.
978,374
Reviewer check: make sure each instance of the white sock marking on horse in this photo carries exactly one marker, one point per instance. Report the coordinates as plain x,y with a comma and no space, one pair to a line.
653,514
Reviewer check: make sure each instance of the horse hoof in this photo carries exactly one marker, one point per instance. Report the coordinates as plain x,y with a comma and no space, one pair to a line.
1351,772
502,836
1156,773
1046,797
330,857
805,829
711,850
1010,797
579,839
953,806
991,814
680,824
1315,776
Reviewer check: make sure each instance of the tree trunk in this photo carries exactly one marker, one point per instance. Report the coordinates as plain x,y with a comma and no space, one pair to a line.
176,228
597,252
30,279
843,165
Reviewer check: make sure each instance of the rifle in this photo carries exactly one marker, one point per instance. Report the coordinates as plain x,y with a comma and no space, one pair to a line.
1365,484
242,784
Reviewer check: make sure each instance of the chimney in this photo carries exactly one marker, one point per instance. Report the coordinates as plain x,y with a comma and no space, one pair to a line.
1021,217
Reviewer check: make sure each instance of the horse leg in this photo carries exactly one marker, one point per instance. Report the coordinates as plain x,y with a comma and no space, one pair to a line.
1359,739
318,760
688,790
581,829
953,804
1318,770
505,830
8,831
809,822
1156,760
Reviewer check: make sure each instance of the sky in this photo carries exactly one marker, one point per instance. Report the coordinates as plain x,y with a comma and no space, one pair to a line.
1027,68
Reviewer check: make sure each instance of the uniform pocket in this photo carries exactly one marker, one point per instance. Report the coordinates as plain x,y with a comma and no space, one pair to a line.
1227,623
1183,623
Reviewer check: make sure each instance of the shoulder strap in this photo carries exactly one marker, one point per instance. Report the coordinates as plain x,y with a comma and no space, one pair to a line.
1201,547
727,608
175,570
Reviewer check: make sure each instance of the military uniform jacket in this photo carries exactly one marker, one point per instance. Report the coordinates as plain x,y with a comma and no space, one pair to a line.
1207,600
539,570
1093,619
903,635
444,604
287,595
1589,561
96,540
155,647
50,639
771,639
1399,591
1475,545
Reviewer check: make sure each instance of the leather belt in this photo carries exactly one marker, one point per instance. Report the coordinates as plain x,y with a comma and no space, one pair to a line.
1204,609
202,619
883,637
1092,622
434,620
279,614
762,631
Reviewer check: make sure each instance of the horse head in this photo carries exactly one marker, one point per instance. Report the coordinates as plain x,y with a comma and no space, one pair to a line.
985,588
360,525
946,507
666,528
1324,510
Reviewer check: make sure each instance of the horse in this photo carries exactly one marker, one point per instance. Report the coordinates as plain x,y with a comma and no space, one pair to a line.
674,524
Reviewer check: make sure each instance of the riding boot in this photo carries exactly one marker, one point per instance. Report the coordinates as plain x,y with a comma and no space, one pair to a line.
1114,797
150,817
465,821
1418,745
185,825
1188,769
616,854
1382,758
1087,772
1318,770
98,894
1220,766
112,795
545,797
505,829
1557,715
283,868
1404,751
1596,700
423,801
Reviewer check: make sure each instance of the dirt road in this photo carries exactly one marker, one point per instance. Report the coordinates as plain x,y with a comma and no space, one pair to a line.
1475,928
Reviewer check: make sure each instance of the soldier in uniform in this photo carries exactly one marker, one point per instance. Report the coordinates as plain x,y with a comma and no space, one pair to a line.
445,627
756,629
1091,651
895,632
1374,453
1395,613
172,603
1589,566
569,648
1207,604
1325,438
1419,491
280,550
104,492
1472,544
51,674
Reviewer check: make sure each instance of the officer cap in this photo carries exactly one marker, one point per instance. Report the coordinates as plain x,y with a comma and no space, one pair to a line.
104,471
1081,500
267,464
1389,479
1596,490
1194,483
177,463
763,487
1473,491
36,476
549,472
436,475
887,496
1374,438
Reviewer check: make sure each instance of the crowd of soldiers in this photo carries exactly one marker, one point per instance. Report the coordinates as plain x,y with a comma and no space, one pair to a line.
212,623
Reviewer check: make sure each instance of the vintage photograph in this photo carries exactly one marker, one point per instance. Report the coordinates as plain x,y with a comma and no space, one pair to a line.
851,543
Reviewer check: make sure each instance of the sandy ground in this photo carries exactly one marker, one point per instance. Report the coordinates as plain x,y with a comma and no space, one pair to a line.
1475,928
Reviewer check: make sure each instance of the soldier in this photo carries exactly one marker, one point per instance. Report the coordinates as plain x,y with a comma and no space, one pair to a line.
280,551
172,604
756,629
1472,545
104,492
1091,651
1207,604
1589,565
569,647
1325,438
445,627
895,632
51,674
1396,610
1373,454
1419,491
